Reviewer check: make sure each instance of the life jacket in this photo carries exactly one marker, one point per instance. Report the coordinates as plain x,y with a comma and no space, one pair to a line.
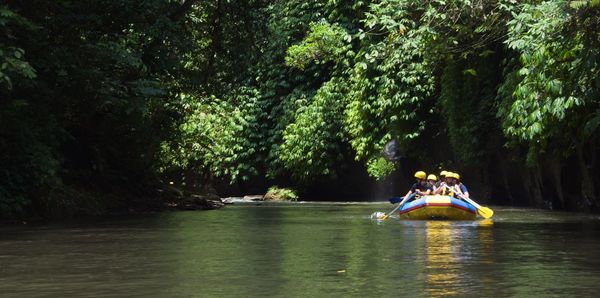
416,194
418,187
448,191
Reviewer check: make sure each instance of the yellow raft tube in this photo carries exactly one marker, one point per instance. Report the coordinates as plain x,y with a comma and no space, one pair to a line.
438,207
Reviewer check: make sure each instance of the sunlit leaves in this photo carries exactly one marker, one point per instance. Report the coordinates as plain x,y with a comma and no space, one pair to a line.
334,76
311,143
217,135
378,167
555,72
324,42
12,59
391,80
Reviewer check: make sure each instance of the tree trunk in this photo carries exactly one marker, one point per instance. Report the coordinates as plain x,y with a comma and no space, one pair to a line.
588,197
555,169
486,187
533,184
592,164
507,187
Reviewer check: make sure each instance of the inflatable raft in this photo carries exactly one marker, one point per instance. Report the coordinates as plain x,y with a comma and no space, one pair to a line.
438,207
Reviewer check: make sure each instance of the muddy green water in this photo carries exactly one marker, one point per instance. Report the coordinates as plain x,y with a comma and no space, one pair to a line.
304,250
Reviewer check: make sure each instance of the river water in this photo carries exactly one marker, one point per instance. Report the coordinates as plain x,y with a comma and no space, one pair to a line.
304,250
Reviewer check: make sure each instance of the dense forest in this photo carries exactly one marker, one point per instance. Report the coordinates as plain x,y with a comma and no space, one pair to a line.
105,103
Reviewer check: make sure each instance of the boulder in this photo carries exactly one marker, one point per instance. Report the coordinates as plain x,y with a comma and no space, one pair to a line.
200,202
244,199
254,198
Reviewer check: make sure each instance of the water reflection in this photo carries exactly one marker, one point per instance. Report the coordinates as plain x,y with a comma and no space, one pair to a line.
303,251
443,265
451,253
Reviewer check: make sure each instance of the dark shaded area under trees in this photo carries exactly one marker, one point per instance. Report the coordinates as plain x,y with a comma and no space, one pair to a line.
104,103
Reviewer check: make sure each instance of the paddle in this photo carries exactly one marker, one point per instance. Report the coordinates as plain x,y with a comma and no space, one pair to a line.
406,198
485,212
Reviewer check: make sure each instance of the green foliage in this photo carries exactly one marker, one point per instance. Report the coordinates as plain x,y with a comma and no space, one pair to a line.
311,143
218,136
379,167
30,160
468,90
126,94
583,3
12,58
275,193
323,43
84,92
390,82
365,74
555,92
592,125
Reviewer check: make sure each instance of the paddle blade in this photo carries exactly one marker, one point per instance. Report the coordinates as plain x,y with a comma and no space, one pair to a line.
378,216
485,212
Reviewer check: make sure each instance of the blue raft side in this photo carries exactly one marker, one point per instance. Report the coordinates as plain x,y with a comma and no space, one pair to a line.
421,203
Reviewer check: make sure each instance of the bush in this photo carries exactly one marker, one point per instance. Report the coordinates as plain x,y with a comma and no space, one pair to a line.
280,194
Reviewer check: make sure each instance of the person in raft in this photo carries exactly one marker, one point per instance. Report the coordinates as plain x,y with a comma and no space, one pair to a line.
432,180
445,186
442,179
461,189
421,187
452,187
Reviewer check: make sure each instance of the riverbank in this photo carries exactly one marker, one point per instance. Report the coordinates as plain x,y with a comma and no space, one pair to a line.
81,202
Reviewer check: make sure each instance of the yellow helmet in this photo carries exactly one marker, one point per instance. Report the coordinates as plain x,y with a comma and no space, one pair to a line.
432,177
444,173
420,175
453,175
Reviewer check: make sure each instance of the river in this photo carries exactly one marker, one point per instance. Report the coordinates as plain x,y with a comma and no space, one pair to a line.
304,250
